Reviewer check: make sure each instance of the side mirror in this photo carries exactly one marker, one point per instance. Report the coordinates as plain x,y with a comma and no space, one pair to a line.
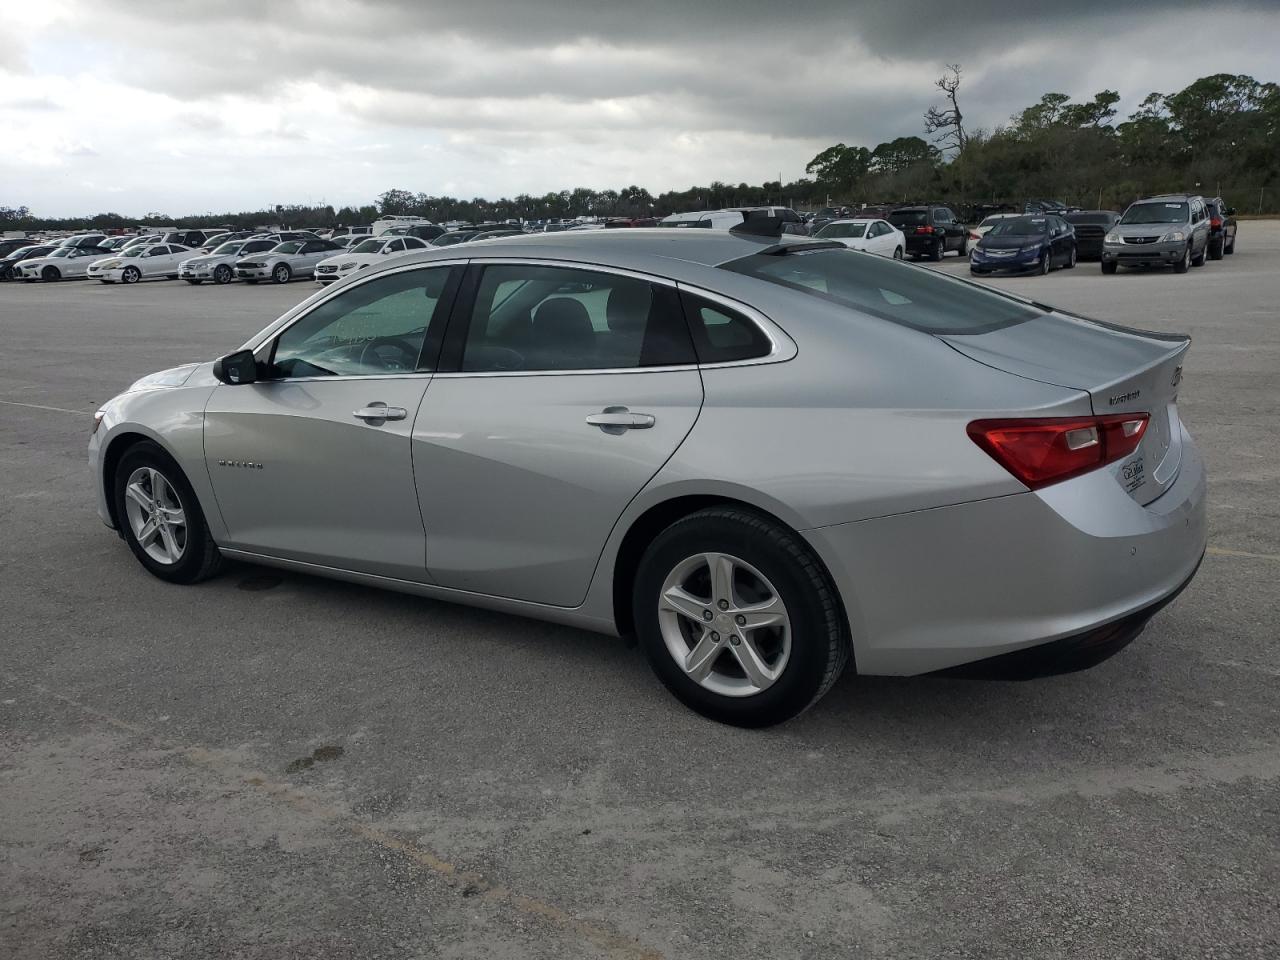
236,368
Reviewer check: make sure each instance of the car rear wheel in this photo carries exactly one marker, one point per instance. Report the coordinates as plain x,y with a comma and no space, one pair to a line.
281,273
1216,249
738,618
897,253
131,275
1182,265
160,517
49,274
222,274
1071,259
937,252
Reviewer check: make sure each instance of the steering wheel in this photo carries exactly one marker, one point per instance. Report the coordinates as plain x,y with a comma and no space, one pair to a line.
404,346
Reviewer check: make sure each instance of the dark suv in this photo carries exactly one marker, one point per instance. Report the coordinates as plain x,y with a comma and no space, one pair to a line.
931,231
1091,227
1222,228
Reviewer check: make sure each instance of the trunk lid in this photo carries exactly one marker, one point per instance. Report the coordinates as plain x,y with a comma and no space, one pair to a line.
1123,371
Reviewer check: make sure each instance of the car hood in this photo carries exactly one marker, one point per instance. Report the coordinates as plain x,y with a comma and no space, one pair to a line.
1011,242
173,377
1147,229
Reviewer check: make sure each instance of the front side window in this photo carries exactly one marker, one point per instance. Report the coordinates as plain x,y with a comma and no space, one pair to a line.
373,328
553,318
925,300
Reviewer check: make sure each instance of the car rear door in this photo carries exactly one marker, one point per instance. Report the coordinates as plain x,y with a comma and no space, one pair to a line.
561,392
313,463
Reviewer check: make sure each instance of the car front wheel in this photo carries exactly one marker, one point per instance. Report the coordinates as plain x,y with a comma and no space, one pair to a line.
281,273
160,518
131,275
738,618
1182,265
222,274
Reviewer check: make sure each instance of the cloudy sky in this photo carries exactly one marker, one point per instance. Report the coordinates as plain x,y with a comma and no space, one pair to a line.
186,107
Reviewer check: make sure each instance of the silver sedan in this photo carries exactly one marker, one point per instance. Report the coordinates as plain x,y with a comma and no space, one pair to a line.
765,458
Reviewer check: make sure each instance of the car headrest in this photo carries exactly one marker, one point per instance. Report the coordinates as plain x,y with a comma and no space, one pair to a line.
628,307
565,321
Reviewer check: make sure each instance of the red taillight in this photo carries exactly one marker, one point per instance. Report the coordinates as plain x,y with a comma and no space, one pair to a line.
924,229
1215,222
1046,450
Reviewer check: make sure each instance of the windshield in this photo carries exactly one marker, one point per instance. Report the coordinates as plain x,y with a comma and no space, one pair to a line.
233,246
899,217
922,299
1155,213
289,246
368,246
1020,227
839,230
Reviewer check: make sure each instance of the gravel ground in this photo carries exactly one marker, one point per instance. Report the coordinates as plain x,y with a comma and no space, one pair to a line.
272,765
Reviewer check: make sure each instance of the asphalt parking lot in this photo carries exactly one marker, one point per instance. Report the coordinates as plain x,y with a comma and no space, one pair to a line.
271,765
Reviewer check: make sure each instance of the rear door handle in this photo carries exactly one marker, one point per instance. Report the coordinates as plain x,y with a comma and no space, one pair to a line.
379,411
618,419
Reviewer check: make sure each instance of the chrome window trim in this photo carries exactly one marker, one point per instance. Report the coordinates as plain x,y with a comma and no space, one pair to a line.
781,346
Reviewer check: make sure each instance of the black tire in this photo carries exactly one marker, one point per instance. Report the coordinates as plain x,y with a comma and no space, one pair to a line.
222,273
1072,259
50,274
200,558
963,249
1046,262
897,253
281,274
1109,266
1182,265
1217,249
819,642
1198,261
131,275
194,283
938,251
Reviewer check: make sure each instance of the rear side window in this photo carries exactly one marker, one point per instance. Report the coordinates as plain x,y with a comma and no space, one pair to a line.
923,299
721,335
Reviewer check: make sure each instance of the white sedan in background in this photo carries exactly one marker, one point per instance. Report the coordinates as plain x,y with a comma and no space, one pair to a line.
871,235
366,253
149,261
64,263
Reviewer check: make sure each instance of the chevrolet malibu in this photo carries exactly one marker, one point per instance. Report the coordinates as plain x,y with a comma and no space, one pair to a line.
765,458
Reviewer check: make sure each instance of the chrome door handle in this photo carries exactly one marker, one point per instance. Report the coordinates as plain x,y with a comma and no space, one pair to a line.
379,411
618,419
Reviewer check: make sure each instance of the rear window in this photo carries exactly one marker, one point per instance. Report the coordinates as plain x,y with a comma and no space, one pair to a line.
913,296
899,217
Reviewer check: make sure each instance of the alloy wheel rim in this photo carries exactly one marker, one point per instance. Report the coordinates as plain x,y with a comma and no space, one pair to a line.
156,516
724,624
281,274
131,275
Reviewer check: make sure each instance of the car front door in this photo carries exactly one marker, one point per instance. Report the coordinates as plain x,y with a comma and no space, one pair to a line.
313,462
561,392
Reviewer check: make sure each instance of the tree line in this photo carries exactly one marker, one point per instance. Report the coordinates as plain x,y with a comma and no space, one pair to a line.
1218,135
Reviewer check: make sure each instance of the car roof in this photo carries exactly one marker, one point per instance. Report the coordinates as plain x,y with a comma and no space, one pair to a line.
1168,196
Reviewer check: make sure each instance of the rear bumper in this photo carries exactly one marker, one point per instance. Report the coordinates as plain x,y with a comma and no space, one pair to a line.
934,589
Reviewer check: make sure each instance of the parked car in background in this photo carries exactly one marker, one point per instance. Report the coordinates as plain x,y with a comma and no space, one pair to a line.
1164,231
219,265
1025,244
872,235
64,263
1047,206
142,238
1222,228
114,243
827,215
931,231
732,217
367,253
150,261
422,231
284,261
84,240
10,244
10,262
387,223
1091,228
219,239
1012,492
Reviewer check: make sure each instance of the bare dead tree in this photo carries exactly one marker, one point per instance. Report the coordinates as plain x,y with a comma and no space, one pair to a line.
946,124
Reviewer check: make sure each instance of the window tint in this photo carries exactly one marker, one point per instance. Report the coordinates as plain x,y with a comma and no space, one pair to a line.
721,335
907,217
923,299
552,318
373,328
395,246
